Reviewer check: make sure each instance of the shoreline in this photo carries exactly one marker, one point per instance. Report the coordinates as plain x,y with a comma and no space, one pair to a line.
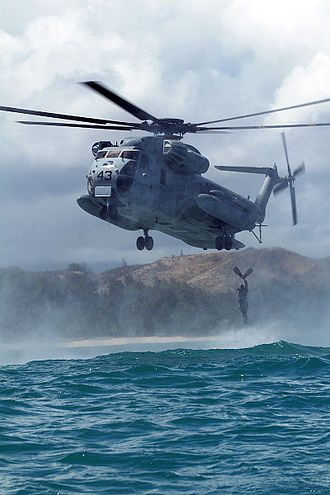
103,342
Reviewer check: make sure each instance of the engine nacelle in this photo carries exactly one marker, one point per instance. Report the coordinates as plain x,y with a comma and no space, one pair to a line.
183,159
234,212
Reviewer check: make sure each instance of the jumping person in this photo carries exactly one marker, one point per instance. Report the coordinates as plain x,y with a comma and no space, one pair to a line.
242,293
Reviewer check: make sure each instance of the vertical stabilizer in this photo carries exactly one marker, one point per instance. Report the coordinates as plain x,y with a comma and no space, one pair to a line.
272,178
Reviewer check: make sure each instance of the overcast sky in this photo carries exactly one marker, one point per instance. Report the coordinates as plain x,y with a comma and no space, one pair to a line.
186,59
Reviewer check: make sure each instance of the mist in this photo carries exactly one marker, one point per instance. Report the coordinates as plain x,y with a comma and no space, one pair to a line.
75,313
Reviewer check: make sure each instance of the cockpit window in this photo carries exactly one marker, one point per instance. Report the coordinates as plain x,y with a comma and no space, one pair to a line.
113,153
100,154
130,155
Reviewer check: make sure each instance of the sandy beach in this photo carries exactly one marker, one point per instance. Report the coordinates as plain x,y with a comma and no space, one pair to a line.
106,342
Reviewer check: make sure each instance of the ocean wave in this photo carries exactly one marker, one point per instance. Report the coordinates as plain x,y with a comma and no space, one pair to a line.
250,420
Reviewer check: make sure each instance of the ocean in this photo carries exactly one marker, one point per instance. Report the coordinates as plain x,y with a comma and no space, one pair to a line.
251,420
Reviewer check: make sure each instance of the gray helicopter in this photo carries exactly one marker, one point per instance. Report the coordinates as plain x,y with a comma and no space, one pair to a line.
155,182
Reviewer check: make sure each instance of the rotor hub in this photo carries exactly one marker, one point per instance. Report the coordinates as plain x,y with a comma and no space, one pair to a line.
167,126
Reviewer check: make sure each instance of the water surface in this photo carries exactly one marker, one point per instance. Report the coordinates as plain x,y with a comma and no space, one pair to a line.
231,421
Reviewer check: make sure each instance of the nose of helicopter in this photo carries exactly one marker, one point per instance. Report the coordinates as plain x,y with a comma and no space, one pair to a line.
111,177
101,180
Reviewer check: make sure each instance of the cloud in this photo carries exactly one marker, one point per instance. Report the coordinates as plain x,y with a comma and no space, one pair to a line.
174,59
305,83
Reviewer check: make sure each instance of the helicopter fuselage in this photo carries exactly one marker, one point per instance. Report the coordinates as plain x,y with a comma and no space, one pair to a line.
154,183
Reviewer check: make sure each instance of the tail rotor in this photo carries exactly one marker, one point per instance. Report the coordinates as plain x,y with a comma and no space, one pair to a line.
289,180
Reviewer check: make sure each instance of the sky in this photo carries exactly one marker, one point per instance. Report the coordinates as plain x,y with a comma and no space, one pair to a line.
187,59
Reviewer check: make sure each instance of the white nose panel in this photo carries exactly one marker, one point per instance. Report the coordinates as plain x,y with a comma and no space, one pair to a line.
102,191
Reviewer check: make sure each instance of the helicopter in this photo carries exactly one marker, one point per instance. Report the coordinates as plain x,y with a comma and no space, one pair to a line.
156,182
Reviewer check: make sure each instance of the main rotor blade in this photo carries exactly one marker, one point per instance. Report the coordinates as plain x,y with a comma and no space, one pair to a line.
244,127
266,112
118,100
83,126
64,116
286,153
212,132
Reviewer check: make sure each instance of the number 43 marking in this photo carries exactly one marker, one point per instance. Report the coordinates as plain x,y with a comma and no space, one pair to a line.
105,175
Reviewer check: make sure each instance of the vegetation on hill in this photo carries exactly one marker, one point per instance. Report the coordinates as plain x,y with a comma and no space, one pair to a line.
187,295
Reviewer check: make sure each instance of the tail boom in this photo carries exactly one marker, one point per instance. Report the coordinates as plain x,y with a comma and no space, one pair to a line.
272,178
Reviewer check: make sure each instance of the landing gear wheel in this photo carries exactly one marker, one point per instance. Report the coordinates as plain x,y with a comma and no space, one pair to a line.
140,243
228,243
149,243
219,243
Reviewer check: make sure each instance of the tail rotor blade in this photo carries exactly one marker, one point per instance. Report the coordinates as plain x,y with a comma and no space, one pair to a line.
286,153
299,170
289,181
293,204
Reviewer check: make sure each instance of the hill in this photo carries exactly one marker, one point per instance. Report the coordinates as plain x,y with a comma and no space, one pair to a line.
186,295
214,272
